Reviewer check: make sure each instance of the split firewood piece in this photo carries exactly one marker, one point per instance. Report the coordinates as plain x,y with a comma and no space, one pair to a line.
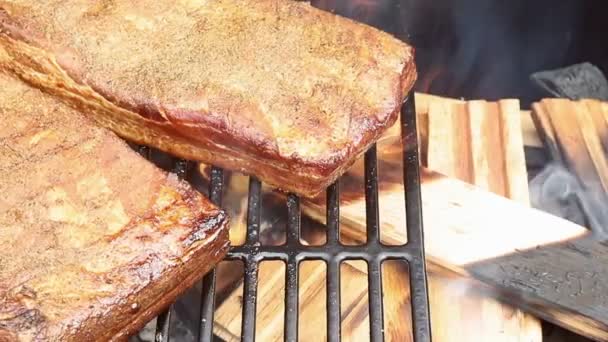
389,143
511,135
577,133
483,143
528,129
449,147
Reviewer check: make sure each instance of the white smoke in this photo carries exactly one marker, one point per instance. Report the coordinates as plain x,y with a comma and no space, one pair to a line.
557,191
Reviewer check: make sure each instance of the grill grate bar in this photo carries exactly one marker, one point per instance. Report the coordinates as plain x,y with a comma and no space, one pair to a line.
375,301
251,262
333,252
216,185
208,289
249,300
371,196
291,276
413,210
163,321
333,214
162,325
333,266
253,212
368,253
373,238
293,221
291,300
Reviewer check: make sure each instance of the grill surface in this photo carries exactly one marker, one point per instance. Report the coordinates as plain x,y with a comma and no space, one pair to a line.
251,253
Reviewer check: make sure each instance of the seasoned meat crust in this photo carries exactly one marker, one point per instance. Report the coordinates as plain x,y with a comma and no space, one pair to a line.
274,88
95,241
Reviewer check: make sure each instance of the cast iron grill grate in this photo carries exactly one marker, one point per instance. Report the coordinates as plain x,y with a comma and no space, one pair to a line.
333,253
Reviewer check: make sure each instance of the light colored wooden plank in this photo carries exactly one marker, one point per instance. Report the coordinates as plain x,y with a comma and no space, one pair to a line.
542,122
459,231
477,151
596,110
478,125
354,310
449,140
457,227
268,314
312,323
397,307
565,122
516,175
590,133
530,135
605,111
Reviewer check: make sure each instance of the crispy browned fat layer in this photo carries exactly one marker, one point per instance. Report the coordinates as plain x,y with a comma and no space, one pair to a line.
273,88
95,241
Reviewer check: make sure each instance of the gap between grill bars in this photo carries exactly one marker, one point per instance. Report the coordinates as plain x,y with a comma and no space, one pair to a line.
333,253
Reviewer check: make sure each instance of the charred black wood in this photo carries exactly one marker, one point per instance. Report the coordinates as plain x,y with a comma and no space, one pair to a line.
575,82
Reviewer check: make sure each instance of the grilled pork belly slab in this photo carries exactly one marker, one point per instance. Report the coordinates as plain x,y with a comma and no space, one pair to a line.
273,88
95,241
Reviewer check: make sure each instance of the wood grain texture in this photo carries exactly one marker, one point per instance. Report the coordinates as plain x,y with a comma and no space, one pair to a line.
312,310
511,134
545,130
